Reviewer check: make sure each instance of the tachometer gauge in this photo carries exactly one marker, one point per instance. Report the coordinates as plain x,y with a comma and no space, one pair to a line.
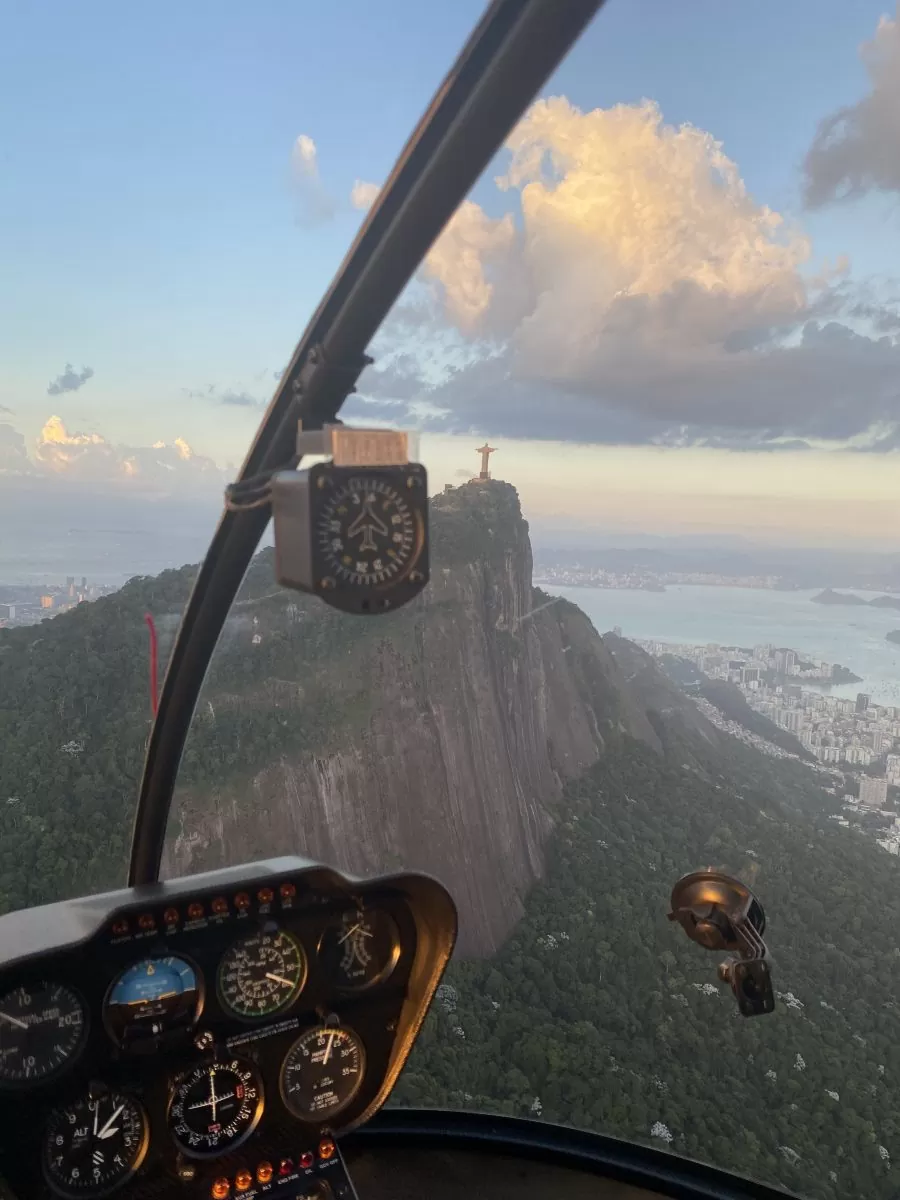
360,948
322,1072
96,1145
153,997
215,1107
42,1028
262,974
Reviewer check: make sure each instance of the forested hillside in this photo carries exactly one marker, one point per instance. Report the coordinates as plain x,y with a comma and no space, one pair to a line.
599,1012
342,738
489,727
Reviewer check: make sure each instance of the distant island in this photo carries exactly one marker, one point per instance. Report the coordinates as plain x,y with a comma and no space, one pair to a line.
841,674
829,596
894,635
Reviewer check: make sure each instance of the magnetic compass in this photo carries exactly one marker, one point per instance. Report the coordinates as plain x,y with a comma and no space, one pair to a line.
366,531
357,537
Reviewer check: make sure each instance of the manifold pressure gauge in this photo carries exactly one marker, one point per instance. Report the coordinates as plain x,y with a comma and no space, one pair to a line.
355,534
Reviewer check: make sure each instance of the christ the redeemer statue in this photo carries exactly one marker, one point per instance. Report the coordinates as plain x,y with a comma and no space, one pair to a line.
485,451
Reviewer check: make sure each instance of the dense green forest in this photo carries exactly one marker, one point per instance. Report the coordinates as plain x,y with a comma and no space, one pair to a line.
600,1013
597,1012
288,678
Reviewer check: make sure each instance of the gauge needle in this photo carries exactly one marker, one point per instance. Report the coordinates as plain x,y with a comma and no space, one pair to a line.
14,1020
213,1101
107,1130
279,979
356,929
328,1049
96,1115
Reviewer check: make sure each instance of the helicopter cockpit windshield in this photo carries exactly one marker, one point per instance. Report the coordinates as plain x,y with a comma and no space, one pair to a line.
505,804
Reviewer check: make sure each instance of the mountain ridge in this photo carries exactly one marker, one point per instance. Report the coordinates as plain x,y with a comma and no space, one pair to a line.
437,738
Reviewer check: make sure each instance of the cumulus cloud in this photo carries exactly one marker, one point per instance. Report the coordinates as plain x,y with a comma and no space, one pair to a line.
363,195
471,248
86,503
636,291
313,203
70,380
91,458
857,149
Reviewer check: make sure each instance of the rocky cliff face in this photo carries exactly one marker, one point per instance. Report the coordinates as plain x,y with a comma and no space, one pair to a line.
484,698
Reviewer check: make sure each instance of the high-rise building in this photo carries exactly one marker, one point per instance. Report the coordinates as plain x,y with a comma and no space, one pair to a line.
862,702
793,719
872,792
877,741
46,601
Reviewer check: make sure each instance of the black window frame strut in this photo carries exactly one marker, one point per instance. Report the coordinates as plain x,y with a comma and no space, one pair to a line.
510,54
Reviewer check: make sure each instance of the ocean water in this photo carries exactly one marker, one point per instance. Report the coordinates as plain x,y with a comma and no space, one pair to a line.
729,616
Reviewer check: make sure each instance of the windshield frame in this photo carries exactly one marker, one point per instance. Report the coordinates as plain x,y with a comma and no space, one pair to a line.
509,56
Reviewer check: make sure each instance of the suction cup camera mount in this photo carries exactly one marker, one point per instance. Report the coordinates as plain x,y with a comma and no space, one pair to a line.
721,914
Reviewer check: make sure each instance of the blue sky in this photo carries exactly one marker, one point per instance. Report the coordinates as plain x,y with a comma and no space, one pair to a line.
151,228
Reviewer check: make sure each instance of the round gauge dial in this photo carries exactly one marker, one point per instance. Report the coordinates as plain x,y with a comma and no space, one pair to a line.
152,997
368,533
322,1072
360,948
94,1146
262,974
42,1028
215,1107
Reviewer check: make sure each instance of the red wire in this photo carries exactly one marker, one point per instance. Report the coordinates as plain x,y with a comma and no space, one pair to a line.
153,662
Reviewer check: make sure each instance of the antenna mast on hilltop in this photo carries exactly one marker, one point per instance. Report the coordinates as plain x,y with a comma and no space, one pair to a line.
485,451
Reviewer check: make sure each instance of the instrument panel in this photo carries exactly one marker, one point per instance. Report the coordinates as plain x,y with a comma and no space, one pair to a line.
209,1036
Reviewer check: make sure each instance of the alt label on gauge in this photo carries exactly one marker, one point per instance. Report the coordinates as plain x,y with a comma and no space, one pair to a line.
96,1145
322,1072
42,1028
